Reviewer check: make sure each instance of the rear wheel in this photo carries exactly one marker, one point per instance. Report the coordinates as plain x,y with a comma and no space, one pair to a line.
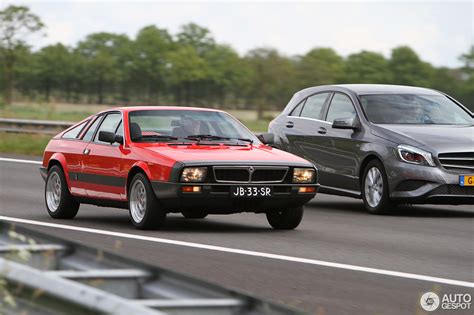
188,214
145,211
59,202
287,219
375,189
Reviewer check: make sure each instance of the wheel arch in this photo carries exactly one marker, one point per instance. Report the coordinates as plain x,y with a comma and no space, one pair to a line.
60,160
370,157
139,167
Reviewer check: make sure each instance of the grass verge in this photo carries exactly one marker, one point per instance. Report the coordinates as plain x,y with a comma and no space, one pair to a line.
23,143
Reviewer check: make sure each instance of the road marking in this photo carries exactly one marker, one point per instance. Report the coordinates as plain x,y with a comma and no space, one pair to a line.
20,161
247,252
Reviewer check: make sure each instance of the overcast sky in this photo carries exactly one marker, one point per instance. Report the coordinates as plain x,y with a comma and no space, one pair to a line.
438,31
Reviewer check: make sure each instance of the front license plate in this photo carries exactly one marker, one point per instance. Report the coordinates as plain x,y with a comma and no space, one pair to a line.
466,180
251,191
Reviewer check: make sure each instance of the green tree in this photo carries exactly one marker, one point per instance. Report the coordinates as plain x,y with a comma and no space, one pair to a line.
103,53
367,67
272,78
52,68
16,23
196,36
185,69
320,66
408,69
466,85
149,61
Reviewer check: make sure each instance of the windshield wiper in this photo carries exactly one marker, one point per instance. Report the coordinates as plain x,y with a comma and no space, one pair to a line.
214,137
244,139
158,137
206,137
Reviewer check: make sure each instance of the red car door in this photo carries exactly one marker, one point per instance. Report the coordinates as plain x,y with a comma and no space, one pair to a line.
72,148
102,163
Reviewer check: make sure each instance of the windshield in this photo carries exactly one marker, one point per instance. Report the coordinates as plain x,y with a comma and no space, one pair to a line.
187,125
414,109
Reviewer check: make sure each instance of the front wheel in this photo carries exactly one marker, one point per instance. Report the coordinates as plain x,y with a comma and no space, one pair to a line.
145,211
59,202
375,189
287,219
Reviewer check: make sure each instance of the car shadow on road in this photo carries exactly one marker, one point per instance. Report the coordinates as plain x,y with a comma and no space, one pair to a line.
174,223
425,211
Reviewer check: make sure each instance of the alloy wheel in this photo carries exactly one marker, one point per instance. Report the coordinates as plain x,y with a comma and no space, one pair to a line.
373,187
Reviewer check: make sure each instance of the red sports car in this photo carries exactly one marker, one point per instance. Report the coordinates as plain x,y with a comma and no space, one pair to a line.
158,160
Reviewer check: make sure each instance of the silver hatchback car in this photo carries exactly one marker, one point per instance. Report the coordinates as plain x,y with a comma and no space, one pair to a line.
385,144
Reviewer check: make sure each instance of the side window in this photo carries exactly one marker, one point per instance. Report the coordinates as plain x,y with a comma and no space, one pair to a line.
74,132
314,106
119,130
341,107
297,110
90,132
110,123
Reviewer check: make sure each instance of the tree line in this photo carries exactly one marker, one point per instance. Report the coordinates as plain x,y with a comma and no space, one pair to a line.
191,68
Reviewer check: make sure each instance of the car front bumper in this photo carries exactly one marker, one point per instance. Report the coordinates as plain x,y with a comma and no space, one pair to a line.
216,197
431,185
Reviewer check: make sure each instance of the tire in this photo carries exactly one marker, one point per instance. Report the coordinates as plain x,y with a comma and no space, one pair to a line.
144,209
375,193
287,219
189,214
59,202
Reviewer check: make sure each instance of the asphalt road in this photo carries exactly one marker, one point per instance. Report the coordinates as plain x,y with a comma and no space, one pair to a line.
434,241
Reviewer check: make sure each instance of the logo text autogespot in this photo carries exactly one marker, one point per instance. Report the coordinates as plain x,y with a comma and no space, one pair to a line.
430,301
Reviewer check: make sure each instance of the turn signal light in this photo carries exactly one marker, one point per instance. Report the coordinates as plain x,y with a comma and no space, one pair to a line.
191,189
306,189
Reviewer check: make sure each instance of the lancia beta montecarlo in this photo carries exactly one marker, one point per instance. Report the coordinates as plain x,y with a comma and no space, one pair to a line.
160,160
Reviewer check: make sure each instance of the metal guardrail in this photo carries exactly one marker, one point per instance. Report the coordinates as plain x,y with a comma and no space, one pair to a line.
47,127
48,274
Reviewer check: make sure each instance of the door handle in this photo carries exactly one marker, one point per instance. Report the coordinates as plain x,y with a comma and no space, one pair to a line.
86,151
289,124
322,130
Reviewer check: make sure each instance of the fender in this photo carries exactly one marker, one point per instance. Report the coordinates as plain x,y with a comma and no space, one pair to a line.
62,160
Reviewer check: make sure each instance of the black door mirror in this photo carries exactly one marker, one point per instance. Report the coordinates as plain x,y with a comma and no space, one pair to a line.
110,137
266,138
345,123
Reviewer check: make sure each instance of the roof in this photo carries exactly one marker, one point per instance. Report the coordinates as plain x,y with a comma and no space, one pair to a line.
386,89
136,108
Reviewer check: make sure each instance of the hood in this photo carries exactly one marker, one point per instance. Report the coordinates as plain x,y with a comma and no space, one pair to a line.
248,154
433,138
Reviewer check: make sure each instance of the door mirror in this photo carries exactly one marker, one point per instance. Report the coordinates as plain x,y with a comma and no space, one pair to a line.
266,138
110,137
345,123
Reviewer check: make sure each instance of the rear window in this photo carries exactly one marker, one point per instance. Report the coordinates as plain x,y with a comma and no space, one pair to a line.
74,132
91,130
314,106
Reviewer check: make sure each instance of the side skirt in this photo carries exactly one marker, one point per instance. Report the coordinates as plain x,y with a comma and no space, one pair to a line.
340,192
102,202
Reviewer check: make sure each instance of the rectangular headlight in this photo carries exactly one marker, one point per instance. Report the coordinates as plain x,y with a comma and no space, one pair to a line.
193,174
303,175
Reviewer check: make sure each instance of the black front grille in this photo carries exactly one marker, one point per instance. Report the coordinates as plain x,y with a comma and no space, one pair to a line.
454,190
460,161
268,175
250,174
231,175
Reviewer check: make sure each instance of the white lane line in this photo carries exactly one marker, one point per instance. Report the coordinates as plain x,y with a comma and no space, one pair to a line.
247,252
20,161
